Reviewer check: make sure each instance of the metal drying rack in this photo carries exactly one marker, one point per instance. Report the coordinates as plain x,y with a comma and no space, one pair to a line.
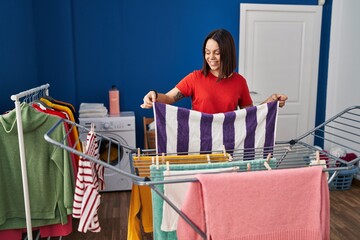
340,131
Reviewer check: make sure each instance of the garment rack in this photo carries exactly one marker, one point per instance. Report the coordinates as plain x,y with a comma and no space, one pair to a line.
342,130
30,96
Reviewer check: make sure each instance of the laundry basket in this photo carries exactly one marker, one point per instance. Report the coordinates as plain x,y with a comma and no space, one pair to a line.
344,179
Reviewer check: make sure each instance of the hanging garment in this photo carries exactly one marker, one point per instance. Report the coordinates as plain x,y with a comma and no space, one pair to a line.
89,182
291,204
248,128
50,178
66,110
70,137
140,212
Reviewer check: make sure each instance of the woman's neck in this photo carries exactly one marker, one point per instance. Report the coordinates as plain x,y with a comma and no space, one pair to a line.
215,73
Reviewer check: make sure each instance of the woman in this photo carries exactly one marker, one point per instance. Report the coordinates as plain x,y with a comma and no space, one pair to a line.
216,88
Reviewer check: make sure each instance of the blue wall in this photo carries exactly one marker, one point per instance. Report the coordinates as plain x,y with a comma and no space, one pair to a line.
83,47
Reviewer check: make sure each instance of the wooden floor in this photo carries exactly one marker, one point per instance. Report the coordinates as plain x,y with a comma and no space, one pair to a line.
344,210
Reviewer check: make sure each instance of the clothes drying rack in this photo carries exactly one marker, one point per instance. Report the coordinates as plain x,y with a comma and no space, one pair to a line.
28,96
340,131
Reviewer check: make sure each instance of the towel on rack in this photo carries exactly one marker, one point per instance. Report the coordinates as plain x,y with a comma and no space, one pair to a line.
248,128
176,193
156,174
279,204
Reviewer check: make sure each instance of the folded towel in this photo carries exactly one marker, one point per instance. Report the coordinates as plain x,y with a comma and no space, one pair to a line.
288,204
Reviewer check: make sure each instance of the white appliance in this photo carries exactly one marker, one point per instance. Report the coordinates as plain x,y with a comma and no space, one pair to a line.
119,128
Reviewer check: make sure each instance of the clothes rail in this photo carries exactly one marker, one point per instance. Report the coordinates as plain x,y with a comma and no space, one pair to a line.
30,95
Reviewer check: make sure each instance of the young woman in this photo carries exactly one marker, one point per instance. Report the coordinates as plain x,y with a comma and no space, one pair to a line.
216,88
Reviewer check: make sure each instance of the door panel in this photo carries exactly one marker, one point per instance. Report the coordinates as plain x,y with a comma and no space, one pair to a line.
279,53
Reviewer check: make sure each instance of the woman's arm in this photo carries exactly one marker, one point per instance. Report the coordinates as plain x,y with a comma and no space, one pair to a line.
170,97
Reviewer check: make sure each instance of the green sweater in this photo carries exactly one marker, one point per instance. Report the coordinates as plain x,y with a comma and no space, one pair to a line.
49,170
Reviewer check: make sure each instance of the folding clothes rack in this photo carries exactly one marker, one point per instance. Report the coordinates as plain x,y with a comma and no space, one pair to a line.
341,131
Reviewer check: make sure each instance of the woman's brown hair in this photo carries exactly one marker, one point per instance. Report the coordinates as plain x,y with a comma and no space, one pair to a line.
227,53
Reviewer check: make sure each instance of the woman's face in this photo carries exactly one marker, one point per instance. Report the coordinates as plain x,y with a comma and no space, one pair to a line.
212,56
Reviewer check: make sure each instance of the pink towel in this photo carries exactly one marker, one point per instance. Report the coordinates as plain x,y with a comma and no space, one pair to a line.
279,204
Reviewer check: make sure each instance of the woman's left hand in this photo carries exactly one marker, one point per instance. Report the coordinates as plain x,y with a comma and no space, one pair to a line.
280,97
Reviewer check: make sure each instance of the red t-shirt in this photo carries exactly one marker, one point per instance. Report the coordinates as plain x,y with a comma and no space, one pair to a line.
209,96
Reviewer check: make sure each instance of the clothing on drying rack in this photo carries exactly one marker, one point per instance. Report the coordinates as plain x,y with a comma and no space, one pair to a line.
248,128
140,212
280,204
141,200
49,171
157,175
89,182
176,193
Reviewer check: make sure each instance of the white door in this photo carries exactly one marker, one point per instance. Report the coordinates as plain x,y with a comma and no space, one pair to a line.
279,53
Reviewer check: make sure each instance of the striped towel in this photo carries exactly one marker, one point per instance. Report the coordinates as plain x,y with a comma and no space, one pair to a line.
180,130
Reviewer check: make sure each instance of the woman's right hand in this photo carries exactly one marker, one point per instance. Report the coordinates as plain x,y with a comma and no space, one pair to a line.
149,99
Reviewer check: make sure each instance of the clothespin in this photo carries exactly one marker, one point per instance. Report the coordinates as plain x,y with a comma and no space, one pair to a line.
230,158
163,158
248,167
152,160
224,150
92,129
266,164
268,158
138,154
208,158
317,157
157,162
167,167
